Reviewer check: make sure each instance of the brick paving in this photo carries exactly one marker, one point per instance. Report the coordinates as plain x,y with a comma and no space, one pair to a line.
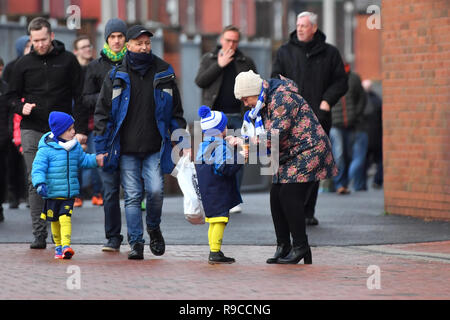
411,271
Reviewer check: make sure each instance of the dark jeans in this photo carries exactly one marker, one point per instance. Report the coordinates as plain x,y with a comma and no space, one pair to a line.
111,203
287,204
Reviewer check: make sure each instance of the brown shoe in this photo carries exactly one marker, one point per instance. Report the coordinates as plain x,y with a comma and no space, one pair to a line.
342,190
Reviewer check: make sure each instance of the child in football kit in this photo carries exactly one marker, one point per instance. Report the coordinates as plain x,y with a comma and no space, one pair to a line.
216,166
55,177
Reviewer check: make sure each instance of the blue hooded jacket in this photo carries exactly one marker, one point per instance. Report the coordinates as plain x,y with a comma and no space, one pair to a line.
216,166
58,167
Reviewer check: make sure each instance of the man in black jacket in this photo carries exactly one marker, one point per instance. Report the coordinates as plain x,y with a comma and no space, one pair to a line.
216,76
45,80
110,57
318,70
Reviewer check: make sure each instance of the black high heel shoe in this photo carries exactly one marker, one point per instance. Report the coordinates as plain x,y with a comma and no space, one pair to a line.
297,254
281,252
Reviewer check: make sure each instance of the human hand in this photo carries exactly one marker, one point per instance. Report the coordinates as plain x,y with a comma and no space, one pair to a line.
101,159
324,106
82,138
27,108
42,190
225,57
234,141
187,152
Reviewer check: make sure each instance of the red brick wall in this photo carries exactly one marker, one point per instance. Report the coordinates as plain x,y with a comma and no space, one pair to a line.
24,6
367,49
416,107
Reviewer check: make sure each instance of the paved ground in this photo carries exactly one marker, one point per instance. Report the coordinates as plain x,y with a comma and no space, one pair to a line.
359,252
356,219
411,271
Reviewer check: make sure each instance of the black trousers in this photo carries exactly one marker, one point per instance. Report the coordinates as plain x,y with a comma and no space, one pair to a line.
287,204
311,199
3,155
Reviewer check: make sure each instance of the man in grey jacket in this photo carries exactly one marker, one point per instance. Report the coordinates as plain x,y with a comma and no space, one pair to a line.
216,76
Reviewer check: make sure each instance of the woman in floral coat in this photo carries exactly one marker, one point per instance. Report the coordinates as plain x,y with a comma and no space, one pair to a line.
304,155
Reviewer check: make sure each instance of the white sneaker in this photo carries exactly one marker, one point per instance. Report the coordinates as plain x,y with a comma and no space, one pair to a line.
236,209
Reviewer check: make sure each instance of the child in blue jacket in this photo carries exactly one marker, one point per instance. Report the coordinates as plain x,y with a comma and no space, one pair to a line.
55,176
216,166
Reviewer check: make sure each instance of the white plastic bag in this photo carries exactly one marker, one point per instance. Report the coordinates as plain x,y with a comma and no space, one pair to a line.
187,180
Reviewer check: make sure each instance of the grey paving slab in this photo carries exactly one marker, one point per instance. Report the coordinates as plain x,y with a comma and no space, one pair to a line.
355,219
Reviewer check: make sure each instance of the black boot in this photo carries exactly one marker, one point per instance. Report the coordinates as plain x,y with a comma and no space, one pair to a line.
137,251
2,217
297,254
281,252
113,244
311,221
219,258
157,244
40,242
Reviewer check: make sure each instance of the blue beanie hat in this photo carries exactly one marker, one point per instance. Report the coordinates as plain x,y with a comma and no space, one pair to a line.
212,121
21,43
59,122
115,25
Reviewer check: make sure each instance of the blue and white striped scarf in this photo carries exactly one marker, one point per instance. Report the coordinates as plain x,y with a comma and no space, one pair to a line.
248,128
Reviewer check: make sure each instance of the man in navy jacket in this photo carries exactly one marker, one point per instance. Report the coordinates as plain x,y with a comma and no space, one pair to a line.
138,108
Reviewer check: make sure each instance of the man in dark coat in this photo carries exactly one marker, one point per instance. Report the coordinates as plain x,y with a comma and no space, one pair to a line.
45,80
317,69
216,76
111,57
138,109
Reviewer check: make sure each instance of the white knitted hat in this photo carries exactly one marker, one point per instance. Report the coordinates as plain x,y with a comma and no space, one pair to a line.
247,84
212,120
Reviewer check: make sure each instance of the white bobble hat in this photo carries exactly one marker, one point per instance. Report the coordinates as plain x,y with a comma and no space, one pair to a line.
247,84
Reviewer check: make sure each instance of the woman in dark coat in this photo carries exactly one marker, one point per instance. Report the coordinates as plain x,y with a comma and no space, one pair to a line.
304,155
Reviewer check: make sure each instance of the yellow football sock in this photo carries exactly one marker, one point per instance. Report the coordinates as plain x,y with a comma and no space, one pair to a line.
56,232
210,231
66,229
215,235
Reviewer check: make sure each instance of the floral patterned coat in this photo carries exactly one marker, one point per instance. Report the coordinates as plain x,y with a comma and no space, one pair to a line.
304,148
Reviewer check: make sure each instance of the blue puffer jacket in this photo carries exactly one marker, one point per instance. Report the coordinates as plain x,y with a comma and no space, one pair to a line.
216,166
58,167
